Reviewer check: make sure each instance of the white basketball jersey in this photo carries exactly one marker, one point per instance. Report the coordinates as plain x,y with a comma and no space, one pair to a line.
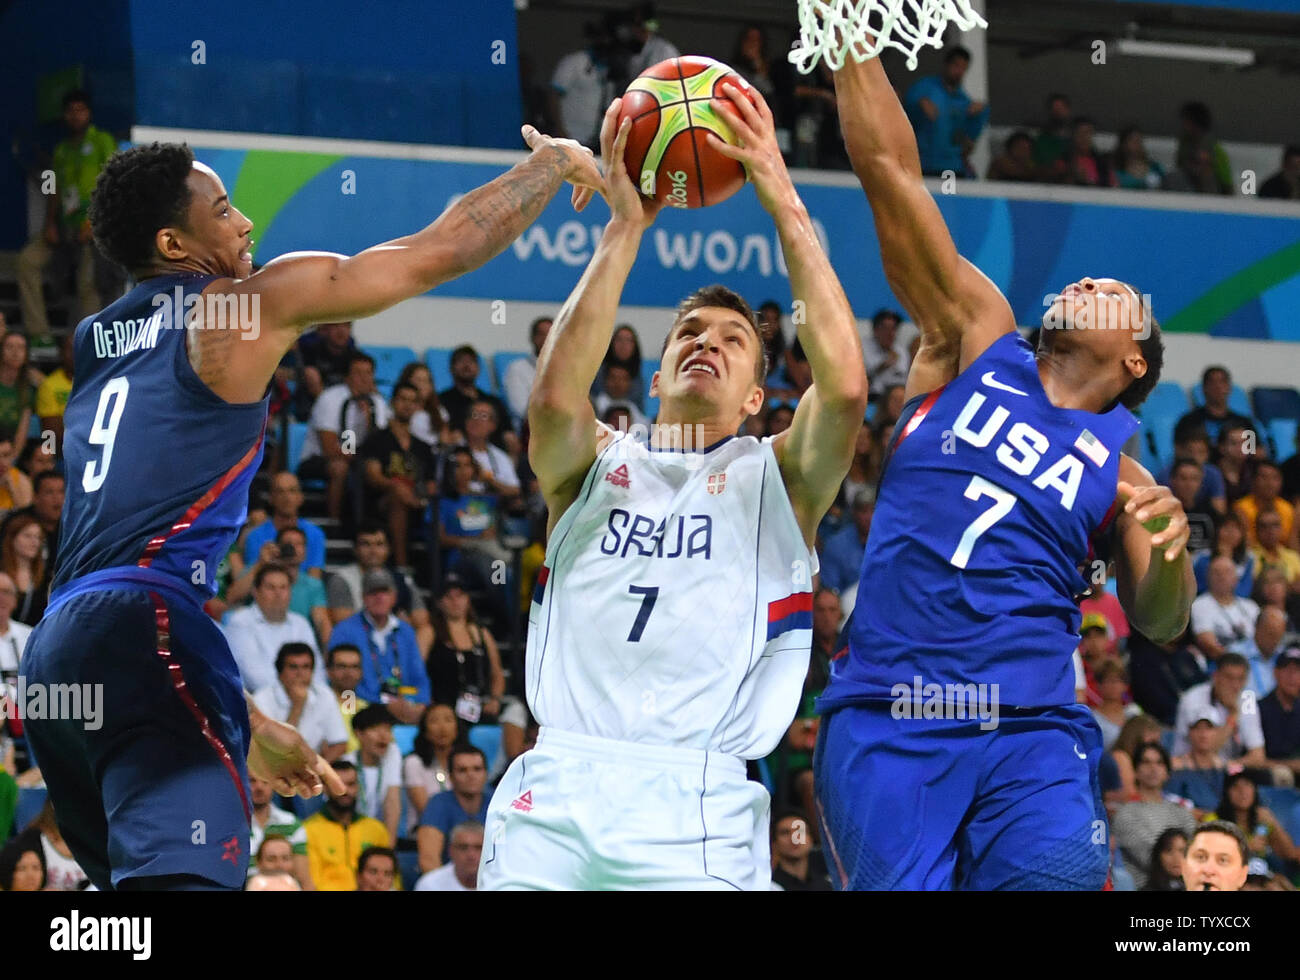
675,604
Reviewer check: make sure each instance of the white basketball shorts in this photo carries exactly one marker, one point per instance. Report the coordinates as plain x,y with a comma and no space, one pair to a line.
579,812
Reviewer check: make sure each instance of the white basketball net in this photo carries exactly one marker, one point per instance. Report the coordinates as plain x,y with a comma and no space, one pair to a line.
834,29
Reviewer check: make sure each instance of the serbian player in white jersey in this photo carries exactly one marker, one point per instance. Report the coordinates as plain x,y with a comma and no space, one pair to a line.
671,627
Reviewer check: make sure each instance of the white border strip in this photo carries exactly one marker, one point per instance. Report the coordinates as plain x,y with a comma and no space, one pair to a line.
1112,197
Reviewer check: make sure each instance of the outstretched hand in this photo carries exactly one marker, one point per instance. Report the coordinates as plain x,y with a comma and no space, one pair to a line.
581,168
281,756
759,152
626,202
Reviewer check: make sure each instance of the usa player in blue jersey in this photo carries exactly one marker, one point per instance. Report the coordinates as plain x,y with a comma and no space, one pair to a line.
952,753
164,432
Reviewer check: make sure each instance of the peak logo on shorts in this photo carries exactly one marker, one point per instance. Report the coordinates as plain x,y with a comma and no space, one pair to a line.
523,802
619,477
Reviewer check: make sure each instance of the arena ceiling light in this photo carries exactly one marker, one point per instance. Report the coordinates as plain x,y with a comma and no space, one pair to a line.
1240,57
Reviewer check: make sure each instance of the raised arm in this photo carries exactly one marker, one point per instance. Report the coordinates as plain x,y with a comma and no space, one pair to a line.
957,308
815,452
564,433
1153,573
297,290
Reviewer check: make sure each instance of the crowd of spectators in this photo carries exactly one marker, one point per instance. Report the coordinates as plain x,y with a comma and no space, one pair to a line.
1057,149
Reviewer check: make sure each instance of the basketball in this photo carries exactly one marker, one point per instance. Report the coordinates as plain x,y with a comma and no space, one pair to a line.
668,152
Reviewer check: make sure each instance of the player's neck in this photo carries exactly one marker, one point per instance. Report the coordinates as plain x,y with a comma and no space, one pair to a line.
691,437
1070,385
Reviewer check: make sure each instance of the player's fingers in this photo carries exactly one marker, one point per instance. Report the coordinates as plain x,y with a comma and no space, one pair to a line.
619,148
741,129
609,128
746,108
332,780
581,198
284,786
1155,506
726,149
531,136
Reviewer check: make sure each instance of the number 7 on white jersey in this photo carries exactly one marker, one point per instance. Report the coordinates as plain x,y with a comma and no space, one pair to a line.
1004,500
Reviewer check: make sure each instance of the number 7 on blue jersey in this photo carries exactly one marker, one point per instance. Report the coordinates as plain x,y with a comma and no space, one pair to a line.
1004,500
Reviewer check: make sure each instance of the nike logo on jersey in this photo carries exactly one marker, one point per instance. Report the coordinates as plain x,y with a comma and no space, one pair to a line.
992,382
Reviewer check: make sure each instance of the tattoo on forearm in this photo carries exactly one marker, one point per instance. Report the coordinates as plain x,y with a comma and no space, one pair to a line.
501,210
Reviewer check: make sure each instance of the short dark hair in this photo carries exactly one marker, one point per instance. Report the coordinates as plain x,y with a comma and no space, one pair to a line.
370,526
719,295
1184,461
1214,369
1153,352
1018,136
343,765
460,748
370,716
76,95
532,327
955,52
1198,113
329,654
1231,659
1078,121
770,304
788,813
880,316
44,477
359,355
1190,430
1292,150
1058,97
291,529
1156,746
271,568
374,851
462,351
294,649
405,386
1223,827
140,191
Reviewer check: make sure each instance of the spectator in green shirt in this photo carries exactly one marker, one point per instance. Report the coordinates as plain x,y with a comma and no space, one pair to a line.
66,238
1203,166
1054,140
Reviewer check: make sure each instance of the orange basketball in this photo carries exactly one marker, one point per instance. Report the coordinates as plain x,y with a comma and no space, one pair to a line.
668,152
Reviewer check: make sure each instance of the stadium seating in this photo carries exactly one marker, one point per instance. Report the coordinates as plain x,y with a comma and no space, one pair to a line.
1285,804
389,362
1276,403
293,451
487,738
404,738
1166,404
30,802
1237,400
1282,435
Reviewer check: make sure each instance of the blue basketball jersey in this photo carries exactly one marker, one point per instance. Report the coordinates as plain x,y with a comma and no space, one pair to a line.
986,510
158,466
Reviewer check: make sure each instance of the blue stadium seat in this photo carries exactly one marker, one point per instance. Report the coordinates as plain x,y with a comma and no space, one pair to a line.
1166,404
389,362
1282,434
30,802
487,738
1276,403
1237,400
648,369
404,738
293,452
1285,804
1166,398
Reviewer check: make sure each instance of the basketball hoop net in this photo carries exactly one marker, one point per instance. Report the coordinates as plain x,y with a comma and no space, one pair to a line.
834,29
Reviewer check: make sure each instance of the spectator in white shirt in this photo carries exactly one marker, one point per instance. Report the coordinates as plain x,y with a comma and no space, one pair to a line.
1269,638
311,709
379,767
616,392
885,354
518,382
340,421
13,634
257,632
581,89
1224,698
1222,621
460,874
497,470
